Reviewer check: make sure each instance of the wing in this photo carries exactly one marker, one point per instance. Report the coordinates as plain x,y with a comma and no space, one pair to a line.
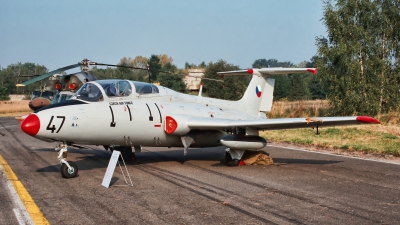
184,124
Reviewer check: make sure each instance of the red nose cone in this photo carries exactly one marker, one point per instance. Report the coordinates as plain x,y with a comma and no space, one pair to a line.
31,125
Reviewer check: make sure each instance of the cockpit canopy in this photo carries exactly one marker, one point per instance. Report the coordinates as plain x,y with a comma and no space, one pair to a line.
94,91
145,88
44,94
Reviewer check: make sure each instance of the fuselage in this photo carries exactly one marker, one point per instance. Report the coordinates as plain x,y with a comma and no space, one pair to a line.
105,117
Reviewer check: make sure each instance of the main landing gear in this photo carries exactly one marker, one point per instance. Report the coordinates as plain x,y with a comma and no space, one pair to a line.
233,156
69,169
126,151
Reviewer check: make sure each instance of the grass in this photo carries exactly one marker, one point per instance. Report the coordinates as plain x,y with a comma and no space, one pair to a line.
285,109
376,139
361,139
14,108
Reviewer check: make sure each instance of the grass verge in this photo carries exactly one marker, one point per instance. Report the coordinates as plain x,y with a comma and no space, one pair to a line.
365,139
14,108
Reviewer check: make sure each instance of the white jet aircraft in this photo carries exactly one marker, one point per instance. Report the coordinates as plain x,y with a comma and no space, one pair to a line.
121,114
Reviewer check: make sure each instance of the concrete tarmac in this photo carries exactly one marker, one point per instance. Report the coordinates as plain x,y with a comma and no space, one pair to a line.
170,188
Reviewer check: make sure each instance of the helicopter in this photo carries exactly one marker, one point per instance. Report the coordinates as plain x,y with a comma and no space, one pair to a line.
60,86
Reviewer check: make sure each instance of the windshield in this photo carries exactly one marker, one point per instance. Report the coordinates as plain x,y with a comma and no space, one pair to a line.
47,94
55,100
44,94
89,92
60,97
64,97
35,94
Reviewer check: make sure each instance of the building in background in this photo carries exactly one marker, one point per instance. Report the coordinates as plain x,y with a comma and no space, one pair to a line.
194,79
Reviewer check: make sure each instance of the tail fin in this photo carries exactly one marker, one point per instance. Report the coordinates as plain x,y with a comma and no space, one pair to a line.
259,94
201,90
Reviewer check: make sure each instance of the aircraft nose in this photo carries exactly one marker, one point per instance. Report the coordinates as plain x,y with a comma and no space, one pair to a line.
31,125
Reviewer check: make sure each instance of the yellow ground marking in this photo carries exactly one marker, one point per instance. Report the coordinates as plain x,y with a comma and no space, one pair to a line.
30,205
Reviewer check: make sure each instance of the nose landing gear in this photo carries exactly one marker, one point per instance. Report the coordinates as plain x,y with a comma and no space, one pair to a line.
69,169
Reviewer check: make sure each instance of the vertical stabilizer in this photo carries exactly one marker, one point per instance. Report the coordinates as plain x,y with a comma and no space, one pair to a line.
201,90
259,94
254,94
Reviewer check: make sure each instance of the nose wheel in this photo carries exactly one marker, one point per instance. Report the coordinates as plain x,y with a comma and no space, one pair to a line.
69,172
69,169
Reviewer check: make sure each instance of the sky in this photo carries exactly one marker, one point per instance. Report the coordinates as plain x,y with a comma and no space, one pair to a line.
60,33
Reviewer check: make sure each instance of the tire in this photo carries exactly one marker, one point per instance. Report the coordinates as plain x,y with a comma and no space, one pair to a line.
66,173
229,161
126,152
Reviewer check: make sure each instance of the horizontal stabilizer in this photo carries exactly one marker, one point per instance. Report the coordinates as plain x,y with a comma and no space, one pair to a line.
269,71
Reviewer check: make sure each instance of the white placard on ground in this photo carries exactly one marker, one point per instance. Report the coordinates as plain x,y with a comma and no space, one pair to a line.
110,169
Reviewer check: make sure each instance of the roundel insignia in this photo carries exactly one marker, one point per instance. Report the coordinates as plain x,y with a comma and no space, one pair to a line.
258,91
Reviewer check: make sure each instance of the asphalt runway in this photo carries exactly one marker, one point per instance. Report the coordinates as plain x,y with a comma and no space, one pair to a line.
169,188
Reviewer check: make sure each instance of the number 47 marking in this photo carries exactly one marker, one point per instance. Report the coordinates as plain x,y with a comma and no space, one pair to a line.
53,127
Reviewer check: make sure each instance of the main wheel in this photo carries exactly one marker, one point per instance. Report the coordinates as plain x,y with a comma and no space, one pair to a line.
229,161
126,152
69,173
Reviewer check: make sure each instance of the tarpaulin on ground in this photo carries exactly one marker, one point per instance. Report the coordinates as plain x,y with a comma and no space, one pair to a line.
257,158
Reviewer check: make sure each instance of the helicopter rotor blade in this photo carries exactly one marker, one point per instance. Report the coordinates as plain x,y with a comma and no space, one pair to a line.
46,75
157,71
129,67
203,78
84,64
35,75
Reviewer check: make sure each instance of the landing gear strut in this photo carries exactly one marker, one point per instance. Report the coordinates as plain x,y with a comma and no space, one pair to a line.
233,156
69,169
229,161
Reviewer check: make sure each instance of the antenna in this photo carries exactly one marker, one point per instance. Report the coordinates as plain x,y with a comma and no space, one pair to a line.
148,71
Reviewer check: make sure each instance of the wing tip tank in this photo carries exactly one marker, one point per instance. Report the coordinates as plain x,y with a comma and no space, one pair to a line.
312,70
367,119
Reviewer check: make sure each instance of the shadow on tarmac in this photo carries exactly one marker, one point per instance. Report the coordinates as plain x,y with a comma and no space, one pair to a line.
94,159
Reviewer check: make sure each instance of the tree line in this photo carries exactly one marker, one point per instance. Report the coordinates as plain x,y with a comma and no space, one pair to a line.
288,87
